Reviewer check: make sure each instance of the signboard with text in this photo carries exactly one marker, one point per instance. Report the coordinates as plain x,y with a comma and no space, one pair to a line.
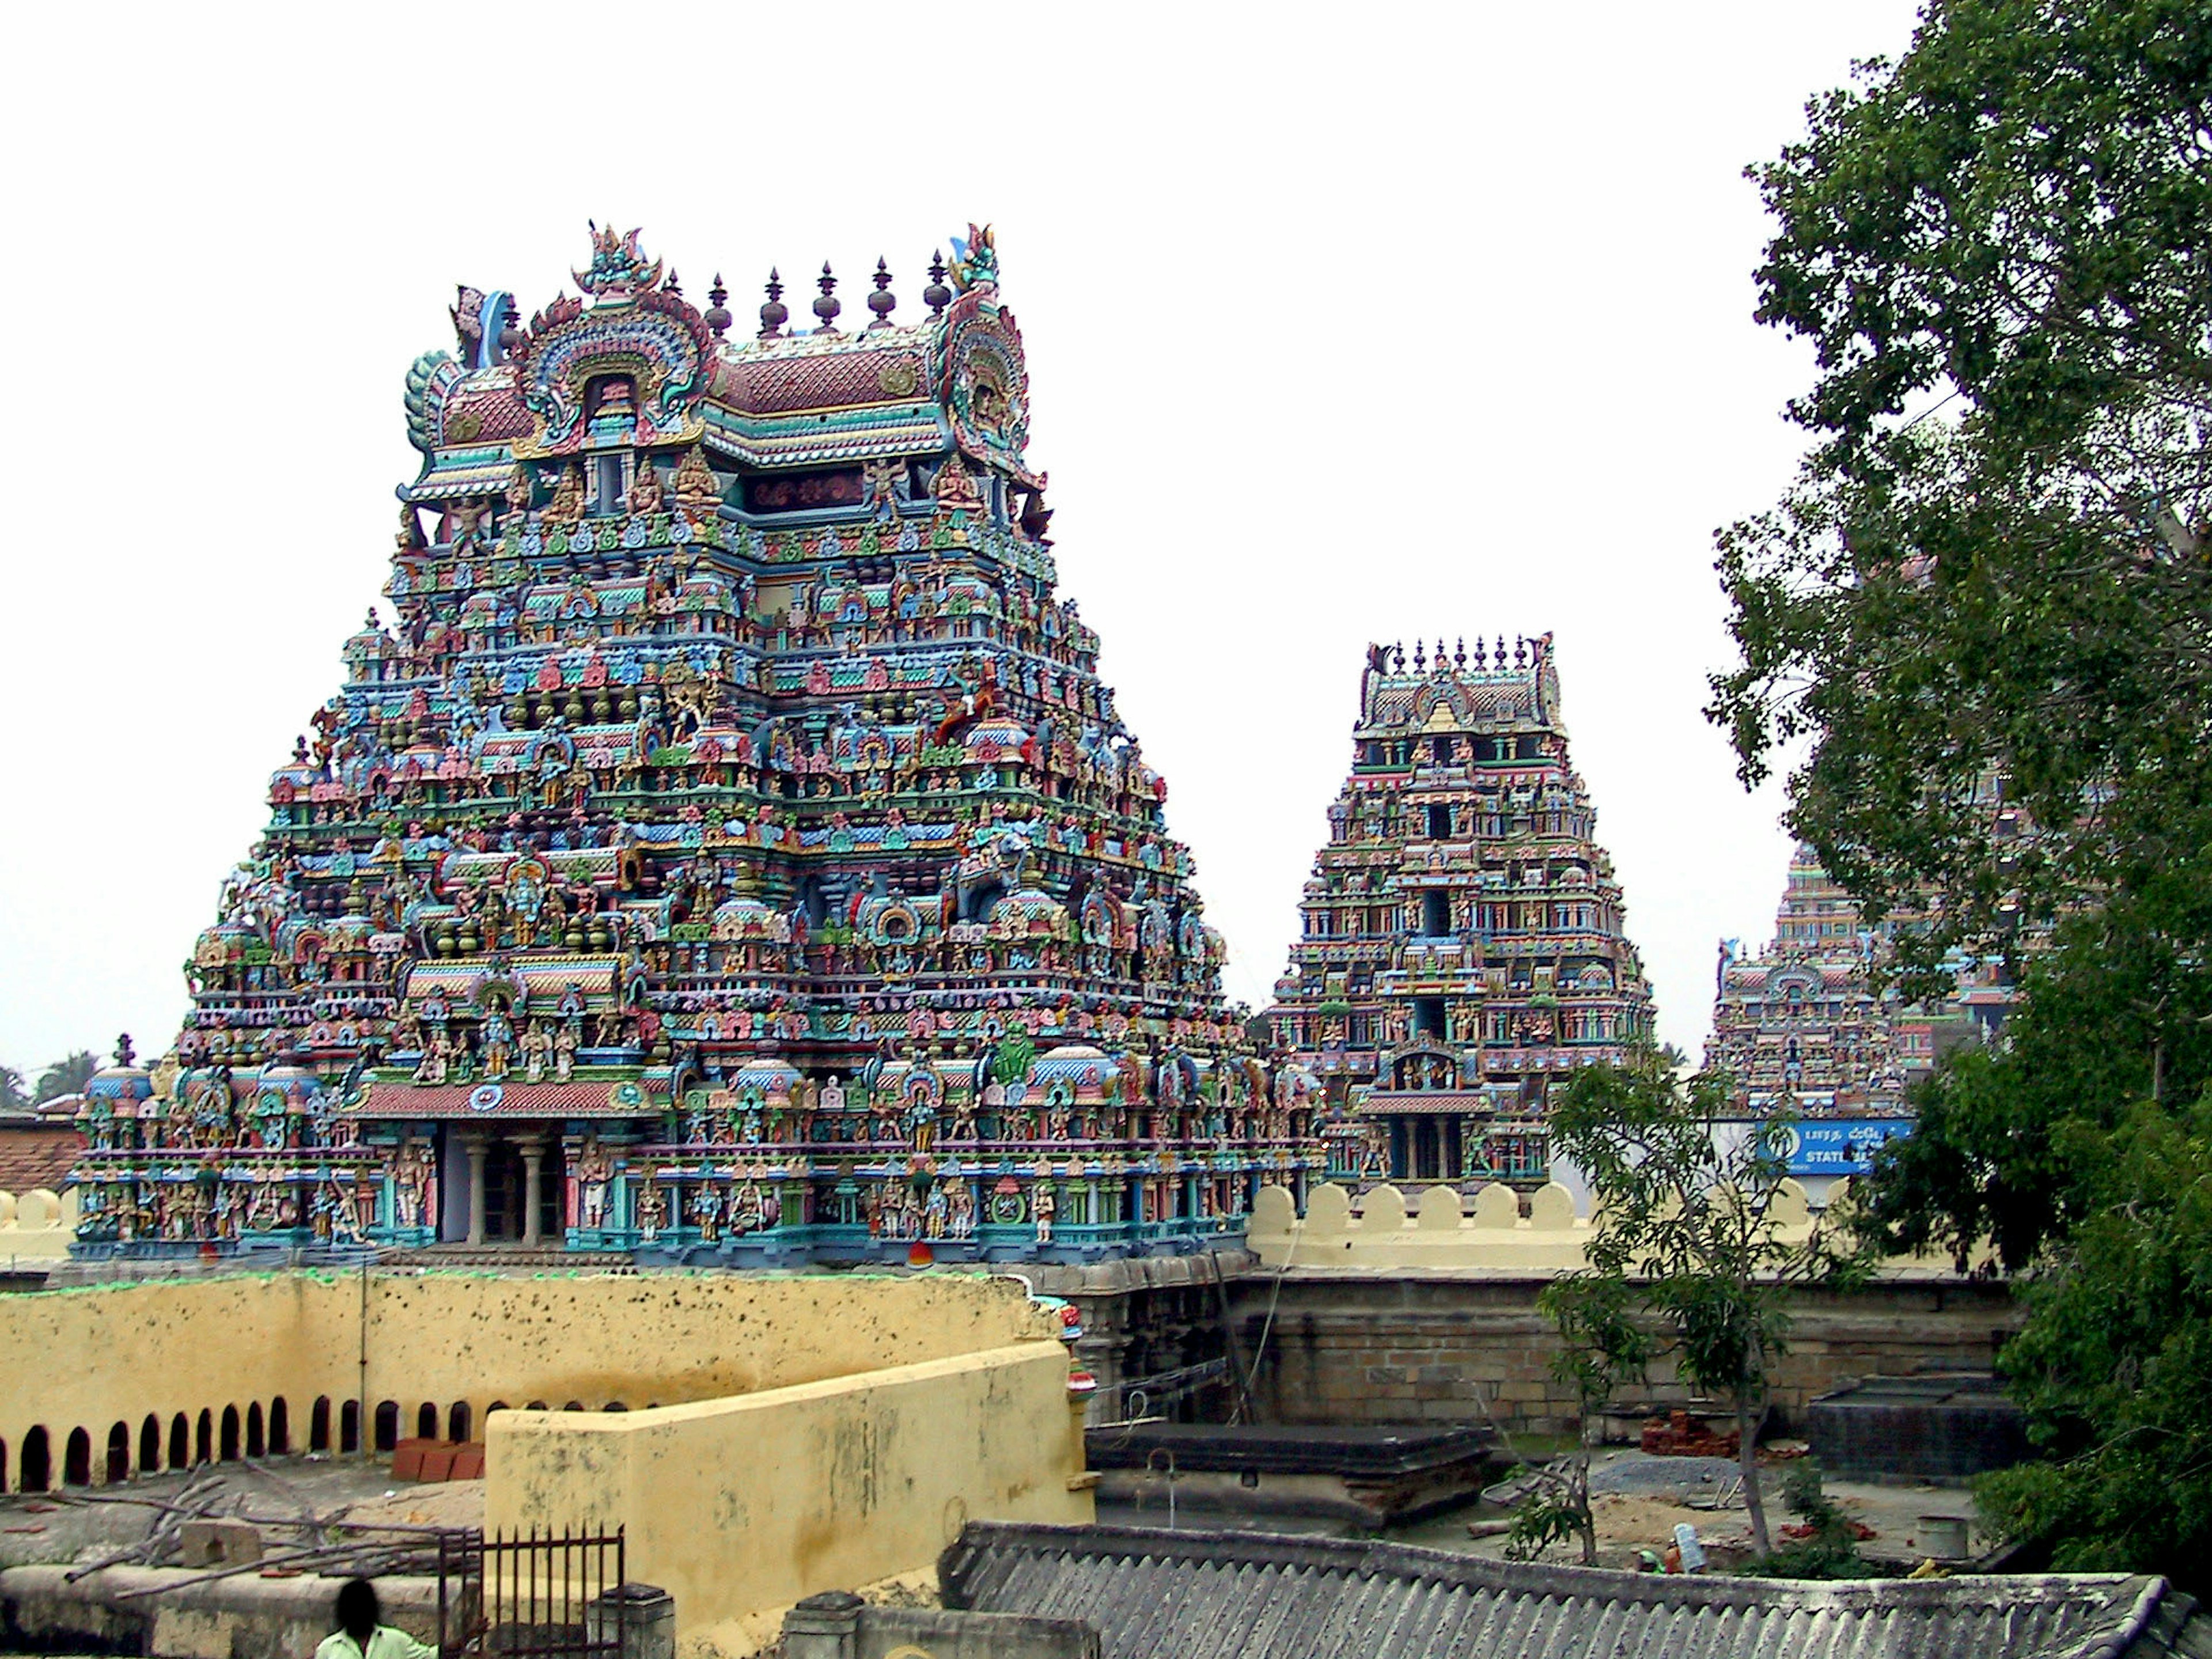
1840,1146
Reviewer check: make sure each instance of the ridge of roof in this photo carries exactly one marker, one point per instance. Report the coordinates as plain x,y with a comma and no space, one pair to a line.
2125,1614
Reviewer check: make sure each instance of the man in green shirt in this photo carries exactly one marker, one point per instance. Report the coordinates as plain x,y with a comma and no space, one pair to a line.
362,1633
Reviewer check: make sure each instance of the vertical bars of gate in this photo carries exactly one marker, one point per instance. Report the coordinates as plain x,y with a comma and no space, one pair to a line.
549,1593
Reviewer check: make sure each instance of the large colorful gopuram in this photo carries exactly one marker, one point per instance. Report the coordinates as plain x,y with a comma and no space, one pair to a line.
1462,944
729,852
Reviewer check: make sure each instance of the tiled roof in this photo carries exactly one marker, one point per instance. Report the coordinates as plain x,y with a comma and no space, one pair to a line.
35,1154
469,475
1452,1102
504,1100
1196,1595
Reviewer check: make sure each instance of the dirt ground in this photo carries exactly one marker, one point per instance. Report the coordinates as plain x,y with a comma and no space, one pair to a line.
78,1524
1643,1514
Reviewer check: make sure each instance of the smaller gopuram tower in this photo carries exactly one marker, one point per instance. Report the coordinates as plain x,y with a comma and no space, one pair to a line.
1461,942
1799,1024
1802,1025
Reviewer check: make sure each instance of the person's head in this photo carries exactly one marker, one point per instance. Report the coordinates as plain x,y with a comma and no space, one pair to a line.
357,1611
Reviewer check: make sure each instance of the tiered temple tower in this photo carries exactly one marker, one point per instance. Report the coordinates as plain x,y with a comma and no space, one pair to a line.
1461,944
1801,1024
730,850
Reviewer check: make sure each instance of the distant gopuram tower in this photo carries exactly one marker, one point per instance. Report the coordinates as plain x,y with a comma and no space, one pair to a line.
1461,946
728,850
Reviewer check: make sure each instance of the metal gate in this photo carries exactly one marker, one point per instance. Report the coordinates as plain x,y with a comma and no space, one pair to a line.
548,1595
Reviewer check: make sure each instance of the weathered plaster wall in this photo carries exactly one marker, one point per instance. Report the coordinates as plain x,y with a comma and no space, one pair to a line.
663,1339
738,1505
246,1617
158,1356
91,1359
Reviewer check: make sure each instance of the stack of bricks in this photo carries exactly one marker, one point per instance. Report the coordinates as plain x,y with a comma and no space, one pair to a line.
1681,1434
438,1460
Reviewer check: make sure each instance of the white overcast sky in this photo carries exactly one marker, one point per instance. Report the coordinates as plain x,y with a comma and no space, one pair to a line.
1343,324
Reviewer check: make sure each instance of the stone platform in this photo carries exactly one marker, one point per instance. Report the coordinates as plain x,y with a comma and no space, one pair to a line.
1371,1475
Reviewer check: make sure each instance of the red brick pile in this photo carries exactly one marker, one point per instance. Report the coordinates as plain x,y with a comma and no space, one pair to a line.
1679,1434
438,1460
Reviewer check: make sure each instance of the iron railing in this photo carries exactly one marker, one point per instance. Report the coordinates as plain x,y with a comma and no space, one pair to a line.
547,1595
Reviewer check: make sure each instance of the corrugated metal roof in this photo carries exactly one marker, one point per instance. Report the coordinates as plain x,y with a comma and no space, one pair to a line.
1157,1594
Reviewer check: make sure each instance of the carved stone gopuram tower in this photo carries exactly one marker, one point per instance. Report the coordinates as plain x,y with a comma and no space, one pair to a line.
1463,944
724,849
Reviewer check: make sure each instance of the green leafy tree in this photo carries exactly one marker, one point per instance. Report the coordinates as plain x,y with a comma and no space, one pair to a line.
1995,563
2011,1150
1604,1346
67,1076
1689,1236
1984,609
2113,1362
13,1097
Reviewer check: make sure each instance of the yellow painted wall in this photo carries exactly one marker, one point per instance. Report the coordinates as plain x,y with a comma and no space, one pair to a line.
1436,1230
663,1339
88,1359
91,1359
39,1223
740,1504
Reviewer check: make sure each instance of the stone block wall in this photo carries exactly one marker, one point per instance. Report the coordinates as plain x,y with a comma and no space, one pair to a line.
1439,1348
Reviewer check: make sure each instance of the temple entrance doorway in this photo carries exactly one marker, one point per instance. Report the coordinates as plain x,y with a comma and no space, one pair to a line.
506,1183
1426,1148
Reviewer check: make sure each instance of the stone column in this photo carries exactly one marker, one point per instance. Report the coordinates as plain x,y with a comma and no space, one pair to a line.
534,1161
478,1145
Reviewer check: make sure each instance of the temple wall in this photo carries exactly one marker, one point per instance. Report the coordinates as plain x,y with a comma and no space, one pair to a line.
1443,1346
666,1339
828,1484
1436,1231
38,1224
92,1359
1388,1317
234,1350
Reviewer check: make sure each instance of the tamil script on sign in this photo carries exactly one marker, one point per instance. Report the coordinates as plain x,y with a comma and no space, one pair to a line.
1840,1146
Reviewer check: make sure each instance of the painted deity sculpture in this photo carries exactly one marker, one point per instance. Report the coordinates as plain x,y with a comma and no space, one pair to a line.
727,778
